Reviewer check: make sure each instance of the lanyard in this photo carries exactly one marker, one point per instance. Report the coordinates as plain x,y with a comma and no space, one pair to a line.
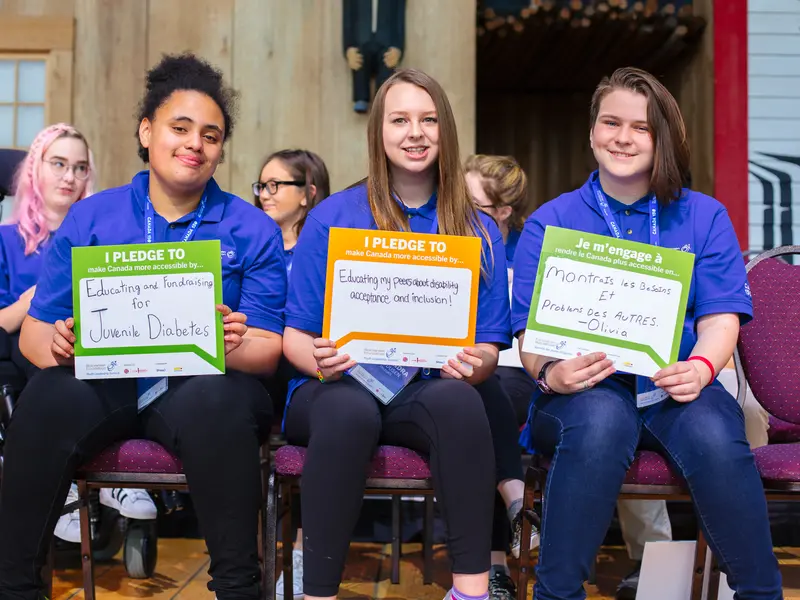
149,221
613,227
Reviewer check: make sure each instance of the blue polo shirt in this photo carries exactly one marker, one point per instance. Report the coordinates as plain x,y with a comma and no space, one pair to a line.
695,223
18,273
350,208
253,266
511,246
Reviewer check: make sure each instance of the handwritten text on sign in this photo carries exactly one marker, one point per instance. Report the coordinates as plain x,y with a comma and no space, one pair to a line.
624,298
395,297
144,310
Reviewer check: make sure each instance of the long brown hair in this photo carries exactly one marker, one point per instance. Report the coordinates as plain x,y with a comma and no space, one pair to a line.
504,183
667,129
305,165
455,210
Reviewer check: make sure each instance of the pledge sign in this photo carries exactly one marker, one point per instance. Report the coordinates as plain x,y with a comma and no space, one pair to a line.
401,298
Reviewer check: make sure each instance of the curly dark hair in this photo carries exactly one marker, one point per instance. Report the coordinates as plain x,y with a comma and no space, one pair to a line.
185,72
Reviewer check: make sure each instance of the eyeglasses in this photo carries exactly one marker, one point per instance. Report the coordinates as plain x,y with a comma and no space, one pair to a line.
59,168
272,186
483,206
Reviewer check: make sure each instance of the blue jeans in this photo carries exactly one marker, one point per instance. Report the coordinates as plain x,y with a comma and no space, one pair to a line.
592,437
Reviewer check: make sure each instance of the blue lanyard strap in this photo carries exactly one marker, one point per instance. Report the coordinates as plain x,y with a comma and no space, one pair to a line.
149,221
614,228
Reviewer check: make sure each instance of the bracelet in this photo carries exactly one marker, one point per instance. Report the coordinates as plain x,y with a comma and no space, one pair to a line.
707,362
320,376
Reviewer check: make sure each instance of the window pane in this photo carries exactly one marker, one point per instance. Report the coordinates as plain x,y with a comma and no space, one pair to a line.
31,81
7,80
30,121
6,126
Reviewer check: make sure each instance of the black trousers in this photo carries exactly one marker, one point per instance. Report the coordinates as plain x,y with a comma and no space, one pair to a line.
518,387
342,423
213,423
373,65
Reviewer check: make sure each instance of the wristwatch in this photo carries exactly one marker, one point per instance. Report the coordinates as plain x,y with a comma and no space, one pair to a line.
541,380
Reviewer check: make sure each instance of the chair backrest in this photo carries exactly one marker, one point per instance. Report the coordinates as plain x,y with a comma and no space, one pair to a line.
768,351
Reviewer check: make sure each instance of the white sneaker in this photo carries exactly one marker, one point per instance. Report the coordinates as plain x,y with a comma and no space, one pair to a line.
297,577
131,503
68,527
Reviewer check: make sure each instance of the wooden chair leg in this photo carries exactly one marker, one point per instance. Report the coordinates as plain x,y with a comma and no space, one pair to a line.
47,570
269,530
427,541
286,535
396,537
86,541
700,552
534,478
713,577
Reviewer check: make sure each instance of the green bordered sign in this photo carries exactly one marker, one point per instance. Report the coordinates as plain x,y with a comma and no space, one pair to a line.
598,293
148,310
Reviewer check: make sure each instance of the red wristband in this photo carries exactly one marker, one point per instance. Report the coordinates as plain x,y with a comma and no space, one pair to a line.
707,363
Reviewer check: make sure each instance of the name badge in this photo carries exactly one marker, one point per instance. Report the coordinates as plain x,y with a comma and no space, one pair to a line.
646,399
383,381
149,389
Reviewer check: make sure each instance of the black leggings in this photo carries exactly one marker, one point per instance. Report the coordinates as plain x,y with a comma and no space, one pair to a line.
213,423
518,387
342,424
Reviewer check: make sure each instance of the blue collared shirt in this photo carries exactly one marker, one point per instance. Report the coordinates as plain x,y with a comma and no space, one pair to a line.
511,246
350,208
253,265
695,223
18,272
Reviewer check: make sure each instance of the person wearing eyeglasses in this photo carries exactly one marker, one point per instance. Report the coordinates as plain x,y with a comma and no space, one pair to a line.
57,172
292,182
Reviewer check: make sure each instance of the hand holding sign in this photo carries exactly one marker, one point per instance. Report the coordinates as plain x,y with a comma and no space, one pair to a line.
234,327
579,374
594,293
681,380
63,348
330,363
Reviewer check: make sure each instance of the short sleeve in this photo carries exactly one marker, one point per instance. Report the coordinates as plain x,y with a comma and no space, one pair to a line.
53,298
305,302
6,297
719,273
493,319
263,292
526,265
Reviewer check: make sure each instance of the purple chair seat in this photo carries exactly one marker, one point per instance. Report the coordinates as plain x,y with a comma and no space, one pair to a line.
389,462
134,456
648,468
783,432
779,462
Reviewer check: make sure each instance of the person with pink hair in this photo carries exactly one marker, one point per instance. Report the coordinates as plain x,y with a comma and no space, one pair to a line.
57,172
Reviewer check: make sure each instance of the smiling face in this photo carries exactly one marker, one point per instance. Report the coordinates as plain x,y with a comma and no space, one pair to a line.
64,159
184,140
289,203
410,128
621,138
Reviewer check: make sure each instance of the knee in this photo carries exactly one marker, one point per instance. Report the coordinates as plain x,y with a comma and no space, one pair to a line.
456,405
53,393
606,428
344,414
231,401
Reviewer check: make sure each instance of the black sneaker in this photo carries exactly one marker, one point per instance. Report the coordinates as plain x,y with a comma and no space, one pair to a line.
626,590
516,530
501,587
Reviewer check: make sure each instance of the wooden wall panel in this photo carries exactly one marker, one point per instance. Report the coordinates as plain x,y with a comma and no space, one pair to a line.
59,88
691,81
204,27
548,134
440,40
110,54
38,8
296,88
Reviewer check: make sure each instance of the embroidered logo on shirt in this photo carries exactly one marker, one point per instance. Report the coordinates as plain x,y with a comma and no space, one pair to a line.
229,254
747,290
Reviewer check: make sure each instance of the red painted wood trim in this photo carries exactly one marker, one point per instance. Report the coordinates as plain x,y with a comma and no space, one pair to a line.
730,112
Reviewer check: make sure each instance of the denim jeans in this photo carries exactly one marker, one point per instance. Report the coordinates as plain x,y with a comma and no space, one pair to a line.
593,436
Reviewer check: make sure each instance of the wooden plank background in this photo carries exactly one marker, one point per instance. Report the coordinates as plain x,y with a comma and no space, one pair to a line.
286,60
284,57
